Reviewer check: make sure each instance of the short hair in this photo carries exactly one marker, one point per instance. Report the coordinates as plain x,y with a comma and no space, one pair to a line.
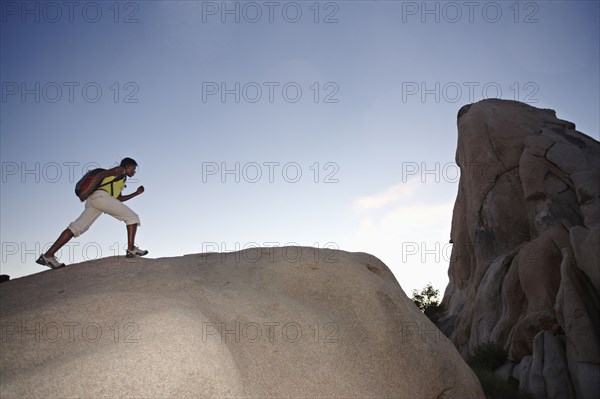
128,161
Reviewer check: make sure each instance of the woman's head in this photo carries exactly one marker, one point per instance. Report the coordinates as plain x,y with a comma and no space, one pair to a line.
129,164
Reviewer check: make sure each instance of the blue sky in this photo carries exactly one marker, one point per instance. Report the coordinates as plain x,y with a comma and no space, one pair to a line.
359,97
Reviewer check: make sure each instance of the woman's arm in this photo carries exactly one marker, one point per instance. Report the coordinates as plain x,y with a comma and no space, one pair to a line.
137,192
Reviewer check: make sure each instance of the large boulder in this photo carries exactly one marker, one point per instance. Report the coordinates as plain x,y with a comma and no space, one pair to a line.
525,265
266,322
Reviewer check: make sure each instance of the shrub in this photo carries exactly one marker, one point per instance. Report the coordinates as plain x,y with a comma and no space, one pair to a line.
488,356
495,387
427,298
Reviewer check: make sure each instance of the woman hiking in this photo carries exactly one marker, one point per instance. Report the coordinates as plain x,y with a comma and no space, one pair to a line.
102,194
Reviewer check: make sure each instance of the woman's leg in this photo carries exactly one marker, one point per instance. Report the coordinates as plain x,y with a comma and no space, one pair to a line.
64,238
120,211
131,230
75,229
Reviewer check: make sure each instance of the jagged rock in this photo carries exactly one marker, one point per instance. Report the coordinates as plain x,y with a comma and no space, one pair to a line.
537,384
521,373
556,376
544,374
273,322
526,245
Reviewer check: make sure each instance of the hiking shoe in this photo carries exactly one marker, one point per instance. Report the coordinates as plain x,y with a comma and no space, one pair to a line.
49,261
135,252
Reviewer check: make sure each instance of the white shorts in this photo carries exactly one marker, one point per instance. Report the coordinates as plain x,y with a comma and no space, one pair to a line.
100,202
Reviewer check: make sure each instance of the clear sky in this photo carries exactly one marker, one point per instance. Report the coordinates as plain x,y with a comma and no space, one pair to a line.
329,124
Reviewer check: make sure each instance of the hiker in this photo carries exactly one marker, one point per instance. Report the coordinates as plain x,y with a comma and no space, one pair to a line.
101,191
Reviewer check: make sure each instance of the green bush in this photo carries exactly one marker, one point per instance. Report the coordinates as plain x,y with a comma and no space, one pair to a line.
433,312
495,387
427,298
428,302
488,356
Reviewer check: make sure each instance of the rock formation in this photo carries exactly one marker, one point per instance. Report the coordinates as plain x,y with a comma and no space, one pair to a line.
273,322
525,265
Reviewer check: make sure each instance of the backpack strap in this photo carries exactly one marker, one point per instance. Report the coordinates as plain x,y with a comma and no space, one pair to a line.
120,177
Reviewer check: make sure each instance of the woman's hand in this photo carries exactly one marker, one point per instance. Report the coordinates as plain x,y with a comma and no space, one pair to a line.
139,190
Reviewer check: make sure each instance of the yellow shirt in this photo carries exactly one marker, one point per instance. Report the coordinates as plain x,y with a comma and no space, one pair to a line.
115,188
